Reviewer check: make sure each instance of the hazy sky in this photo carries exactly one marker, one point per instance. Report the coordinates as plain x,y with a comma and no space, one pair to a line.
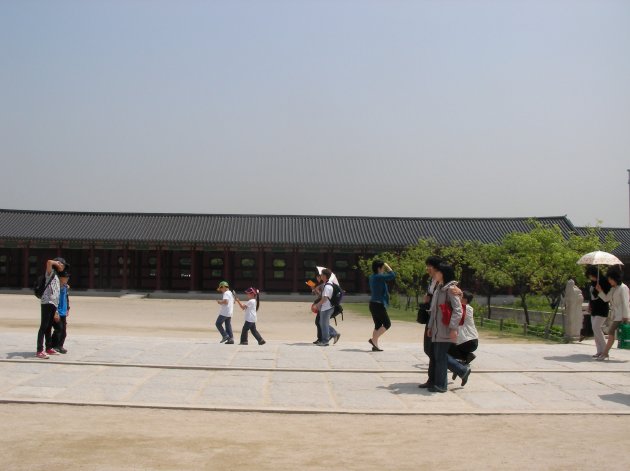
343,107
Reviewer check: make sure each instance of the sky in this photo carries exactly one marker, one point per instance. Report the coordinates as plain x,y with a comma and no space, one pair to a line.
401,108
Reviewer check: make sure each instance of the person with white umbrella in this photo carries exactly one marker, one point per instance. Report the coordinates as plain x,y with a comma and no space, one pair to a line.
619,297
597,307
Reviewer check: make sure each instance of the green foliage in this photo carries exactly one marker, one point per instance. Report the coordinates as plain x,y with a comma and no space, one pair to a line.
536,262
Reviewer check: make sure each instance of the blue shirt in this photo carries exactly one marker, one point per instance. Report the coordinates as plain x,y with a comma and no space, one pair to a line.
62,308
378,287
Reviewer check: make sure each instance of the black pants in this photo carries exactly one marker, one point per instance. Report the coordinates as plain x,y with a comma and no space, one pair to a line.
319,328
45,327
246,328
587,327
460,351
59,332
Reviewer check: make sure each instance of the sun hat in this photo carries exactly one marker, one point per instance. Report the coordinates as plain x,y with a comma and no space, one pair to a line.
223,284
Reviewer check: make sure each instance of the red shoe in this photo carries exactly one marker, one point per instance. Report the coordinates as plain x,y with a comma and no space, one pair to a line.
41,355
52,351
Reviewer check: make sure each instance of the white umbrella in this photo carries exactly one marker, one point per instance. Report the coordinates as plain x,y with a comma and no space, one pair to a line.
333,277
599,258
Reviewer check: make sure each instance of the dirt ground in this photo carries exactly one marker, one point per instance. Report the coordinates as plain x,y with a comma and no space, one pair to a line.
44,437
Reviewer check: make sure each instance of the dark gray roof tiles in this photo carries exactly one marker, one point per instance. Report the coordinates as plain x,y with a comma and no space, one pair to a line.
253,230
621,235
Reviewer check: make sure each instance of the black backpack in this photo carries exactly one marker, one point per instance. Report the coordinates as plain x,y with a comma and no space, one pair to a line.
335,301
40,285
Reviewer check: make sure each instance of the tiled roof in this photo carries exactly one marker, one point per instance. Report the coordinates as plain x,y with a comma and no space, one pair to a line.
621,235
252,230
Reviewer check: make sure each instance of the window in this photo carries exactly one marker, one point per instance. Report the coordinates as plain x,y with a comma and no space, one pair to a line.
121,261
248,262
32,259
278,274
3,259
341,264
279,263
152,262
310,264
121,272
249,274
216,273
185,262
153,273
97,260
216,262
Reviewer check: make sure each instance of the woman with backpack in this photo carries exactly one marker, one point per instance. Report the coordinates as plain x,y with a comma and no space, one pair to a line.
49,303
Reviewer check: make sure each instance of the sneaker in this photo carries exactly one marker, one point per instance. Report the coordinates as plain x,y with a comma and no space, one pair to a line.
438,389
466,376
322,344
470,357
52,351
61,350
224,339
262,342
243,343
337,337
42,355
426,385
229,342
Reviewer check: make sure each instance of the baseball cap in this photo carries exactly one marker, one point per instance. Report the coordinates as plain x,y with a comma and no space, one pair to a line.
223,284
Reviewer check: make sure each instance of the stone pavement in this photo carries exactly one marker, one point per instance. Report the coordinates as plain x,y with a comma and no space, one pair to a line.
521,378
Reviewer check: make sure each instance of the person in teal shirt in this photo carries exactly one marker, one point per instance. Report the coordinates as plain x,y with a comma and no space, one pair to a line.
379,300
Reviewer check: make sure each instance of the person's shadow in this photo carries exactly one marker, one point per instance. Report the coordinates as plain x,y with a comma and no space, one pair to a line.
580,358
407,388
24,355
618,398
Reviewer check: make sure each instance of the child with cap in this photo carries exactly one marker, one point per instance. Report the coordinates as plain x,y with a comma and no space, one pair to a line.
59,326
250,308
225,313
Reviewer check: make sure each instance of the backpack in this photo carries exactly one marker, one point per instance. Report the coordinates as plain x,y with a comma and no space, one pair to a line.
335,301
40,285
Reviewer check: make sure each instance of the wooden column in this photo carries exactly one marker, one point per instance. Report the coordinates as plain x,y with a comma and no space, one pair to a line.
125,267
158,269
193,269
295,271
227,272
329,260
91,268
25,266
261,268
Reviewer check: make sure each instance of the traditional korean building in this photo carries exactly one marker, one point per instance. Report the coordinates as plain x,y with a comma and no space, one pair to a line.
193,252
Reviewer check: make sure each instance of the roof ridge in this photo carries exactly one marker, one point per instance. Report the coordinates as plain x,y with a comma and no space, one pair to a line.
302,216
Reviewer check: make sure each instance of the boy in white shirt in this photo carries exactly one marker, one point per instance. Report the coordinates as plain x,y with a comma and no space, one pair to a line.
225,313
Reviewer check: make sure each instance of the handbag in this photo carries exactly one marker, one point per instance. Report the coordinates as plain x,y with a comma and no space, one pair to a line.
423,313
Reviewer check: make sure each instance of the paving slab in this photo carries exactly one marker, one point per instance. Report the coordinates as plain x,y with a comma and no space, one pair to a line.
301,377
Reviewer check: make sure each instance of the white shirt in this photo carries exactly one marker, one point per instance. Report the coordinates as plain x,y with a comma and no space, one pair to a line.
250,311
619,297
327,293
227,309
468,331
52,291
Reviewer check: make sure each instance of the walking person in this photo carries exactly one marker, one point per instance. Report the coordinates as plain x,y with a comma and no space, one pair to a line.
326,310
443,328
225,313
251,310
618,296
49,303
598,308
431,263
60,327
379,300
